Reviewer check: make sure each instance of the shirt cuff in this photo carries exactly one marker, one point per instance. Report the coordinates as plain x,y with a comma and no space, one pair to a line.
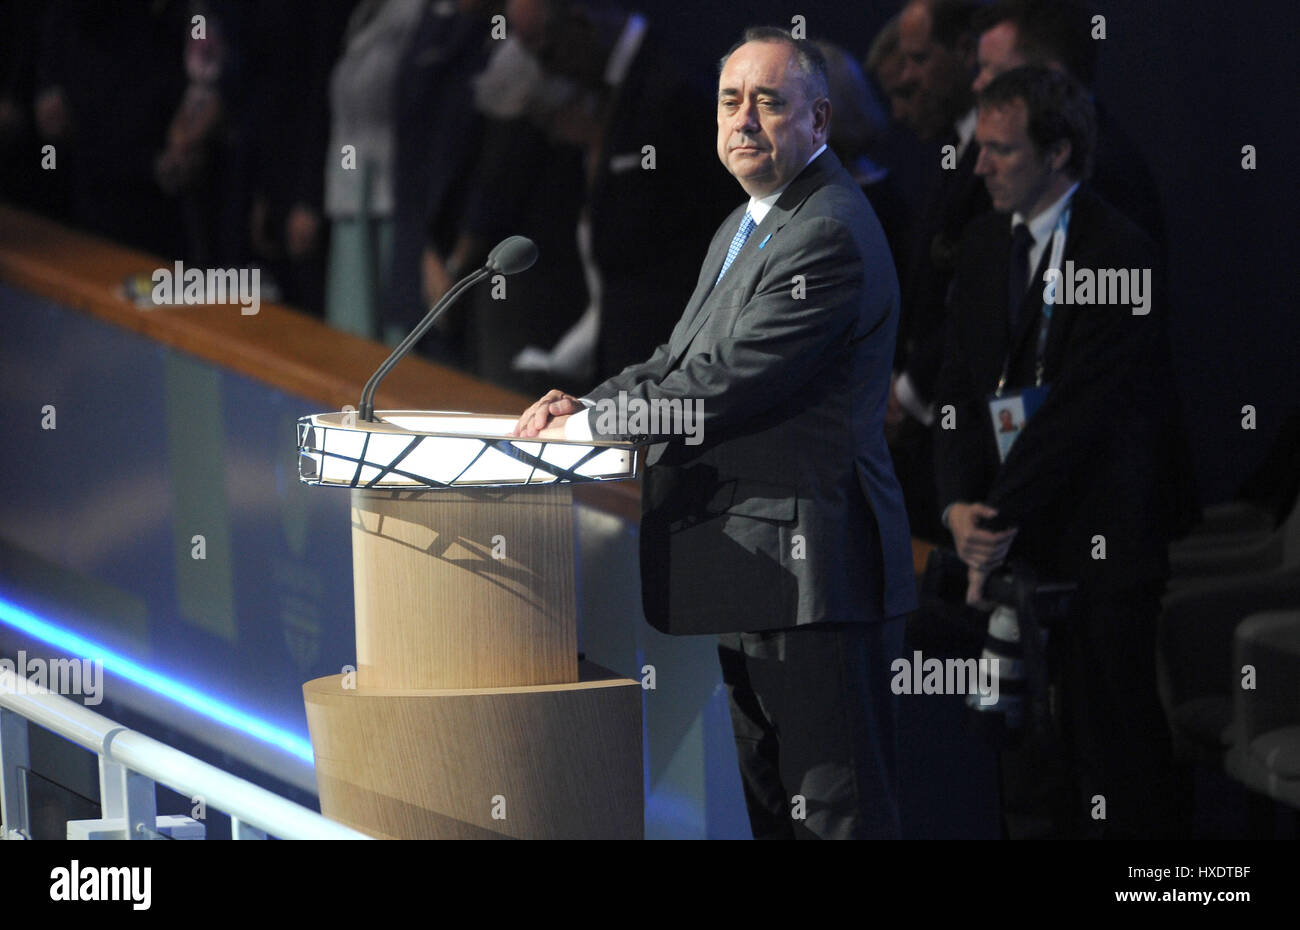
576,427
910,401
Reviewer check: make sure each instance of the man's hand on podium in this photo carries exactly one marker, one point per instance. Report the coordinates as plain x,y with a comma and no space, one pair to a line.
555,429
546,418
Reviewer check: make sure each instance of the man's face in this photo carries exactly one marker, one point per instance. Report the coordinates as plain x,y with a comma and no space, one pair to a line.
1015,173
767,126
996,54
935,77
890,76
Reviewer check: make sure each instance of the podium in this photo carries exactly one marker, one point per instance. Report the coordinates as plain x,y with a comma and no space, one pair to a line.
468,714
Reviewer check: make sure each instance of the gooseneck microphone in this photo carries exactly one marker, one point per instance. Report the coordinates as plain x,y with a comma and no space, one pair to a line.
511,256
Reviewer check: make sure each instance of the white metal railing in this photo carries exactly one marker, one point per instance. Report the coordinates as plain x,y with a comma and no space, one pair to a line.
130,763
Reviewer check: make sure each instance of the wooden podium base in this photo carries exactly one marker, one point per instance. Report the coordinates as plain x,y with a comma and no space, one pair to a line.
469,715
559,761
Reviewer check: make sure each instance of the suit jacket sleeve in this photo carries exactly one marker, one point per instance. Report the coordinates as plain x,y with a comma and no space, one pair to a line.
776,343
959,455
925,364
655,367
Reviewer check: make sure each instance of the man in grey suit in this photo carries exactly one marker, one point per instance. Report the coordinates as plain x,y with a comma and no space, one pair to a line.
774,519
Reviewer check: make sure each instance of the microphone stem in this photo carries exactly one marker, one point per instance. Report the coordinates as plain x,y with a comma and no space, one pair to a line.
367,409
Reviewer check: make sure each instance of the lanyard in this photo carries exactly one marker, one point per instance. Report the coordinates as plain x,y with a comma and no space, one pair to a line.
1049,298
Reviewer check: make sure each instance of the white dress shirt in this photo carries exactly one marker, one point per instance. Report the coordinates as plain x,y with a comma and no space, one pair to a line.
1042,226
965,129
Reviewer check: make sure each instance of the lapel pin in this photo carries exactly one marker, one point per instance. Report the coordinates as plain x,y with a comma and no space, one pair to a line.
764,242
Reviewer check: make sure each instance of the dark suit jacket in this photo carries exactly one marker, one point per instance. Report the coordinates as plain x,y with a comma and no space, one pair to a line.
955,198
525,185
959,196
788,511
1100,456
436,143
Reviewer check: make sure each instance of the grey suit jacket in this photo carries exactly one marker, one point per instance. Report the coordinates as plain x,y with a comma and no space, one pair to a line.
787,512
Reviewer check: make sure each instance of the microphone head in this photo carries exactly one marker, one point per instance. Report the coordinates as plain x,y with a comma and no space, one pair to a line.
512,255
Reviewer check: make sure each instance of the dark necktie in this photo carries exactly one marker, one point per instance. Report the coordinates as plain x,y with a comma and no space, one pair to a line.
1018,273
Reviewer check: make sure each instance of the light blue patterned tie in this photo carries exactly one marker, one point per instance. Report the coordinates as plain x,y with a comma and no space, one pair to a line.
737,243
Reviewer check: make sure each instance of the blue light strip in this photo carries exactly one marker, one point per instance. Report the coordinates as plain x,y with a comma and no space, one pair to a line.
195,700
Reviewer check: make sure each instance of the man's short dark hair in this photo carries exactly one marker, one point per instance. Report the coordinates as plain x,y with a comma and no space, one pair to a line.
809,60
1047,30
950,20
1058,106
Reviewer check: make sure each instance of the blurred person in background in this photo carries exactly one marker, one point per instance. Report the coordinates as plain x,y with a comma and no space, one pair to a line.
204,163
898,148
294,47
527,183
359,162
23,180
1058,34
857,134
937,42
649,203
1094,461
937,39
108,132
884,62
436,147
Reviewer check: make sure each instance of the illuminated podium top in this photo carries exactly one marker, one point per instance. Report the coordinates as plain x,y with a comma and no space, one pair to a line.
431,449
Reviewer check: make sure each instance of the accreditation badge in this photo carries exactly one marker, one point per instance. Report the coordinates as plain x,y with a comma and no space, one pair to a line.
1010,411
